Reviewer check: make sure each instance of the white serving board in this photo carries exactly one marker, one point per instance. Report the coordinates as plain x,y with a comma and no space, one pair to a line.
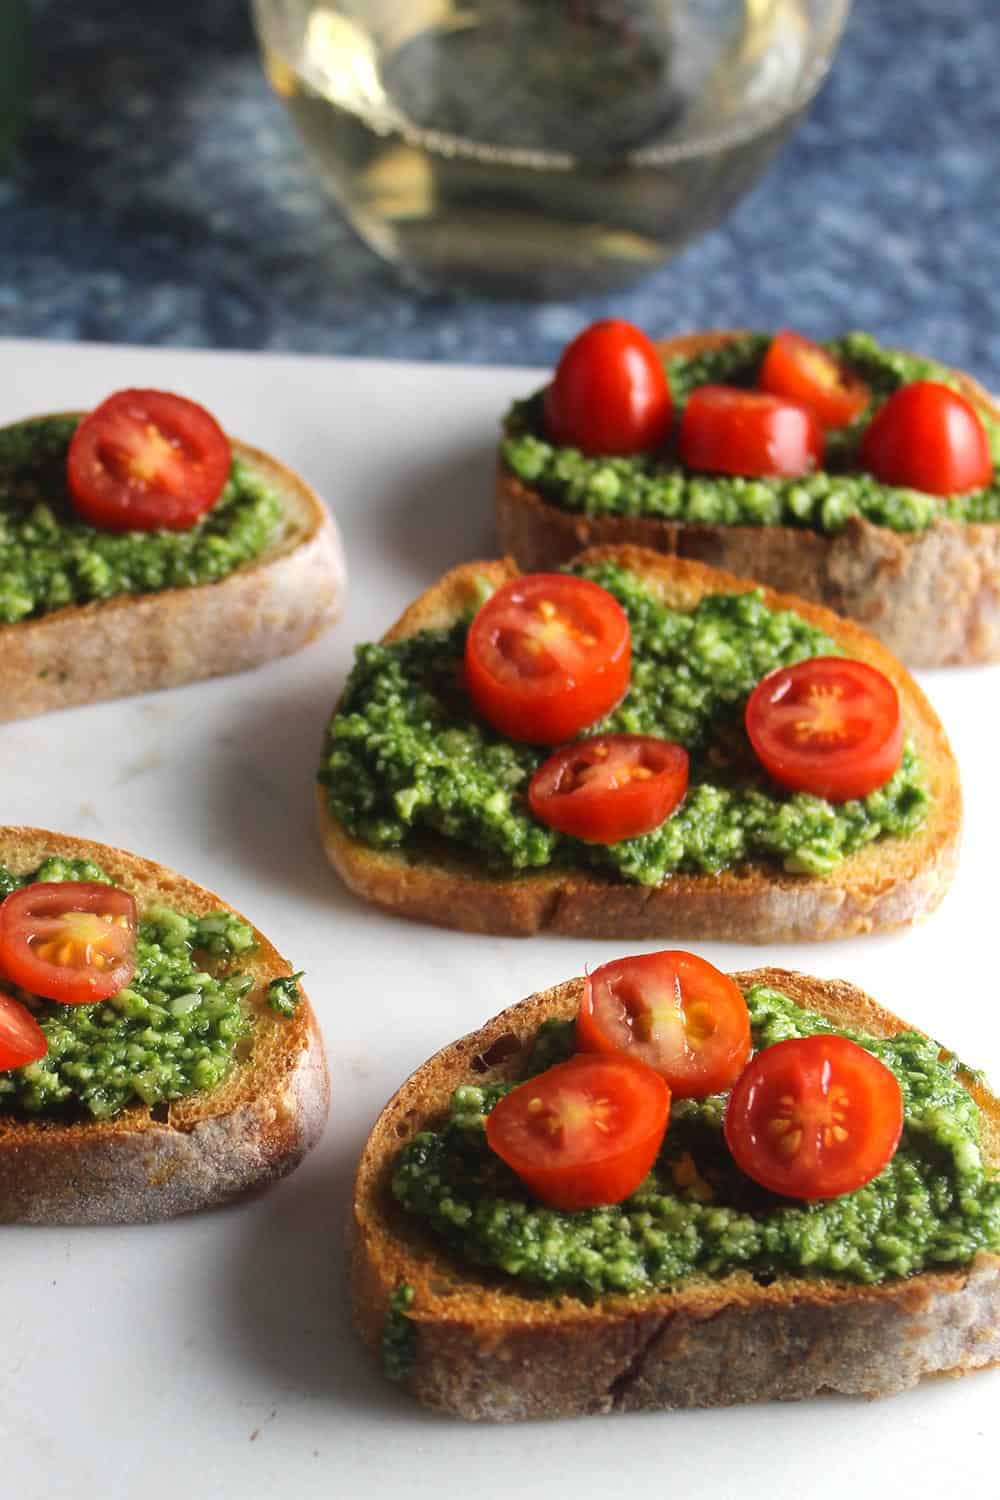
212,1356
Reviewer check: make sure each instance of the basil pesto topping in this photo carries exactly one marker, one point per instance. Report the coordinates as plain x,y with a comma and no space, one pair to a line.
405,757
934,1204
657,486
171,1032
49,558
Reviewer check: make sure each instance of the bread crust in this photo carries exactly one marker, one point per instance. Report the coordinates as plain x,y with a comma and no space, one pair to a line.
890,883
487,1350
146,1165
933,597
138,643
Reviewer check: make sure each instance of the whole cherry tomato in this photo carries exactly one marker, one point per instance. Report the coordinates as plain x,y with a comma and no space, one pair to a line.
929,437
609,393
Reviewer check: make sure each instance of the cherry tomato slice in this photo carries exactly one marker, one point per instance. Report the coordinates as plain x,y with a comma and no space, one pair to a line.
609,393
929,437
22,1040
728,430
610,787
828,725
672,1010
583,1133
68,940
797,368
814,1117
145,461
547,655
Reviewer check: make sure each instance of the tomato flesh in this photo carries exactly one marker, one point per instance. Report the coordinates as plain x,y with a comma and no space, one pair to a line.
672,1010
546,656
929,437
71,941
828,725
22,1040
802,371
814,1117
610,787
145,461
583,1133
728,430
609,393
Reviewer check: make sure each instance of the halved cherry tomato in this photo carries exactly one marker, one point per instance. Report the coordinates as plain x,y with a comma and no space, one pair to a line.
728,430
583,1133
547,655
797,368
828,725
929,437
146,460
22,1040
68,940
610,787
609,393
674,1011
814,1117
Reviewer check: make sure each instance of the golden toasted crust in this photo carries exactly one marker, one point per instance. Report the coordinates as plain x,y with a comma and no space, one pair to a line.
887,884
199,1151
485,1349
137,643
933,597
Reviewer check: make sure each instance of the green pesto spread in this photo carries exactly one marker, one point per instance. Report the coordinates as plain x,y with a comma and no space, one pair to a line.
406,759
696,1214
173,1031
50,558
657,486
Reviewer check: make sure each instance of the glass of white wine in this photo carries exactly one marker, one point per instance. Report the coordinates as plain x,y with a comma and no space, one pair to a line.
542,147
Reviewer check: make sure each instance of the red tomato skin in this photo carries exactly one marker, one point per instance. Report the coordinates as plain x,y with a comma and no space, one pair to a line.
800,370
25,912
609,393
839,774
146,461
578,690
694,1076
599,814
928,437
809,1069
22,1040
728,430
615,1168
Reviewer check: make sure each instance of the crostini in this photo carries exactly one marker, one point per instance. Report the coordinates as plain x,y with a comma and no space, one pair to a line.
803,1229
431,811
140,548
882,503
157,1054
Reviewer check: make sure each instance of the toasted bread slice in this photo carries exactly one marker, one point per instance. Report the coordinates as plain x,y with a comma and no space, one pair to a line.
890,882
148,1164
485,1349
932,597
137,643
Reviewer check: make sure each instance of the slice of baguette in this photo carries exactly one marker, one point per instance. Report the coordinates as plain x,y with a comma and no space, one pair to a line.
138,643
152,1163
933,597
486,1349
889,883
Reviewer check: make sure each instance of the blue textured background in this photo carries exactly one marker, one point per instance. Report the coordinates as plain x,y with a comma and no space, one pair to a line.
160,196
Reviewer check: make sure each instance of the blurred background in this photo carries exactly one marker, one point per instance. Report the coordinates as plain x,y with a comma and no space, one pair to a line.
158,190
